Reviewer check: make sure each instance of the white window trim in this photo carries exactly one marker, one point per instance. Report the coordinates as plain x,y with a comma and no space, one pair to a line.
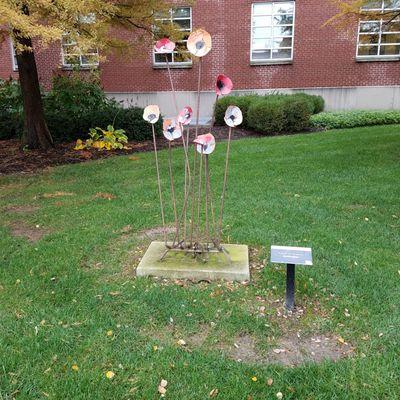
275,60
81,64
378,57
13,57
184,64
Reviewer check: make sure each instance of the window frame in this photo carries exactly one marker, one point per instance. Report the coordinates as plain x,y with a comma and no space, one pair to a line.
174,64
380,33
13,57
81,64
292,36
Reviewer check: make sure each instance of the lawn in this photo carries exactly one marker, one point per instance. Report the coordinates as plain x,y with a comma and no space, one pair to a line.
71,308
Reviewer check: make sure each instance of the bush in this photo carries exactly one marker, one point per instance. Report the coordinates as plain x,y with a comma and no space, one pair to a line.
11,110
72,107
275,114
315,104
243,102
352,119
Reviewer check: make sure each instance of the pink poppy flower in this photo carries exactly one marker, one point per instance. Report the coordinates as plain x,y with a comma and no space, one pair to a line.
205,143
223,85
171,129
185,115
199,43
164,46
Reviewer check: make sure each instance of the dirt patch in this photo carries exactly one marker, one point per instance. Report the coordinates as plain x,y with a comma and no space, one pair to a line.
32,233
291,350
106,196
25,209
57,194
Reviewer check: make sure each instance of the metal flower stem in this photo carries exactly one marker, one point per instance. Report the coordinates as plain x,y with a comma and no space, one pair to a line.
199,197
215,108
159,184
172,84
206,173
195,153
171,176
210,196
224,187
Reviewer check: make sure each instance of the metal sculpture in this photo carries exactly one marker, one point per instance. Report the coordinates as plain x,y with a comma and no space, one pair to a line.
198,233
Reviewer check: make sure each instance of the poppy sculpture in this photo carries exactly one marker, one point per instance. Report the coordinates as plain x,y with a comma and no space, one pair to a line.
151,114
233,116
171,130
199,43
185,115
164,46
223,86
205,143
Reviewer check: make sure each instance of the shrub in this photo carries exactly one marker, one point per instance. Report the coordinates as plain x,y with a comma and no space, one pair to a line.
104,139
316,103
275,114
243,102
267,116
352,119
297,114
72,107
11,110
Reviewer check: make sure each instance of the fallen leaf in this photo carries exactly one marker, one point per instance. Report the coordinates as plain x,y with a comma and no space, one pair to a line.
254,379
279,351
57,194
155,348
133,158
214,393
75,368
341,340
279,395
162,387
181,342
270,381
114,293
107,196
110,374
109,333
163,383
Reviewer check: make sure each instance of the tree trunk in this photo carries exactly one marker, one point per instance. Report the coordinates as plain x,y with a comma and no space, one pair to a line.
36,133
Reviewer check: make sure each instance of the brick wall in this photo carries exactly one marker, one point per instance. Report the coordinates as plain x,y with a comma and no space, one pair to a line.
323,56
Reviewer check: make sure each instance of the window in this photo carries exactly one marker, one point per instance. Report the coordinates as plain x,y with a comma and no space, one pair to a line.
72,56
70,52
13,57
272,32
181,16
380,37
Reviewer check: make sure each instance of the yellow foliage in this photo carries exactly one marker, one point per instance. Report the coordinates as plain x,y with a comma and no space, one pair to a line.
88,22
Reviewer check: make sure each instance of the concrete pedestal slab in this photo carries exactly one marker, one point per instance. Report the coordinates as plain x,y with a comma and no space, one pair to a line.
179,265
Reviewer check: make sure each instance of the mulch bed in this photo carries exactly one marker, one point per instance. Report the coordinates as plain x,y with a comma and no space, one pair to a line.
13,159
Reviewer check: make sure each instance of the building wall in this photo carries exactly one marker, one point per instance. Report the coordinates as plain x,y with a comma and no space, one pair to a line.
324,61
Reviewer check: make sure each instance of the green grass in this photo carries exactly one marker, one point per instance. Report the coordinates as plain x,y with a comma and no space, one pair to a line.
337,192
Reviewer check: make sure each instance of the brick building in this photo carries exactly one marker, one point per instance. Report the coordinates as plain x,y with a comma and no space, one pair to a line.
262,45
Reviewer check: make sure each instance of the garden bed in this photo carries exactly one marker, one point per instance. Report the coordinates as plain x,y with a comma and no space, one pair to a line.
13,159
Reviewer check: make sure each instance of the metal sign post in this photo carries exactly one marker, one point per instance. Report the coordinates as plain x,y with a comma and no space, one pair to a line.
291,256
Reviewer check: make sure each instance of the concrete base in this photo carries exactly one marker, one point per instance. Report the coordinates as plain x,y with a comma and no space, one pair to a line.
179,265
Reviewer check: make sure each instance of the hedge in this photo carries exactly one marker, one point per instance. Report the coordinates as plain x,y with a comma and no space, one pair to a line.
72,107
315,104
278,114
353,119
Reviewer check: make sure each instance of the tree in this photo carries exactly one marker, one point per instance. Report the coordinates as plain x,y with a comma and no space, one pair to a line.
89,23
351,11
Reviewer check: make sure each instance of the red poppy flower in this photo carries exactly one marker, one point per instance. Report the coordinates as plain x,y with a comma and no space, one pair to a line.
205,143
223,85
164,46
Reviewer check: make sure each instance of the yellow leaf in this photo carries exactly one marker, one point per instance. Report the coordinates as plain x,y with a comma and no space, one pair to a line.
110,374
109,333
155,348
75,368
341,340
254,379
214,393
